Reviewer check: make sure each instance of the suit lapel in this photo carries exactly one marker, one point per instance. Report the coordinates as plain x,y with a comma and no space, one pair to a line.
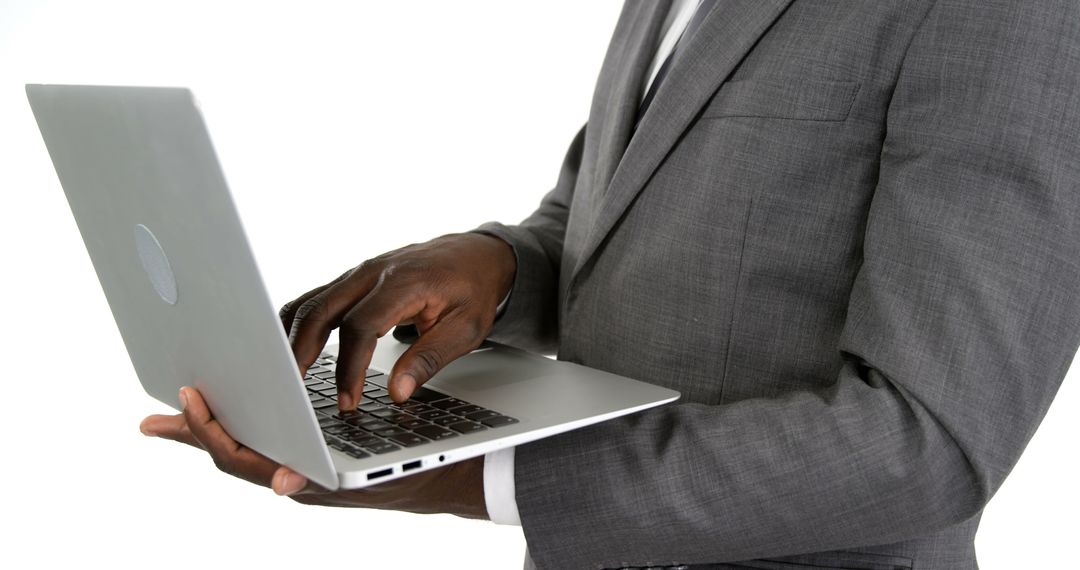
626,65
723,39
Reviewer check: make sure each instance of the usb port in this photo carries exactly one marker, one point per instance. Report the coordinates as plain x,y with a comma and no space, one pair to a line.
380,473
410,465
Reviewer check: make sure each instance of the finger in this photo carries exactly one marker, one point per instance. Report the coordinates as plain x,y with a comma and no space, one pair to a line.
453,336
169,427
316,317
229,455
361,328
288,310
286,482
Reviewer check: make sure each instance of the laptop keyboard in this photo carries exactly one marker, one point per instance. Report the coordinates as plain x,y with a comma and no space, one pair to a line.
379,425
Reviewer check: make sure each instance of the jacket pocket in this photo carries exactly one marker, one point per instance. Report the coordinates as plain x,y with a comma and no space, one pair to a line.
837,560
779,98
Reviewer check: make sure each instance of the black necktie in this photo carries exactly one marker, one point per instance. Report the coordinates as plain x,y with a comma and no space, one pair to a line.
695,22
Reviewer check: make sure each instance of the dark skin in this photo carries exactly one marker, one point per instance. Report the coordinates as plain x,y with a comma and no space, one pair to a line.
449,288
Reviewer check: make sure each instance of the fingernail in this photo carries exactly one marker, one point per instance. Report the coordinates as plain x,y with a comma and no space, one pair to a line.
183,398
344,401
146,431
406,385
291,484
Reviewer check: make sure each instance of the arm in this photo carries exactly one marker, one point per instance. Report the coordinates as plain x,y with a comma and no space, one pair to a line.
455,488
960,326
450,289
530,317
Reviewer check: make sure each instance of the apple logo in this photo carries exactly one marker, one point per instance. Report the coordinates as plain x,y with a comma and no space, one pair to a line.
155,264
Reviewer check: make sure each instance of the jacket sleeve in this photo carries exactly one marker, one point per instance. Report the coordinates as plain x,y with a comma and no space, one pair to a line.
962,321
530,316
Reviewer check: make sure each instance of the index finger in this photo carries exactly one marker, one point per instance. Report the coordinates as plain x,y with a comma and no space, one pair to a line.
369,320
288,310
317,316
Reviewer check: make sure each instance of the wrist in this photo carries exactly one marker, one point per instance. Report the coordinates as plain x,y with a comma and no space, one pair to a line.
505,261
464,494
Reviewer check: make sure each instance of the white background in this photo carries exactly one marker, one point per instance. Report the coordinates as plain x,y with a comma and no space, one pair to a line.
315,109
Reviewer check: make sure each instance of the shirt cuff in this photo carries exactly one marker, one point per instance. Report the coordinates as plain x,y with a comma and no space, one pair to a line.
502,306
499,493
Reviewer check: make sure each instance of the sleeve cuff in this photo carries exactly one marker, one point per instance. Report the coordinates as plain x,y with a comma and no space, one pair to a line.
499,494
528,315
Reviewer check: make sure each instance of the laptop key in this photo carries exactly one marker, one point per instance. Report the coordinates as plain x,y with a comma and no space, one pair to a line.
381,448
446,420
447,403
356,419
390,431
375,425
357,453
353,433
413,424
408,439
428,396
433,414
324,404
369,406
463,410
499,421
371,372
375,394
327,422
378,379
467,427
482,415
384,413
415,407
399,417
329,391
435,432
364,439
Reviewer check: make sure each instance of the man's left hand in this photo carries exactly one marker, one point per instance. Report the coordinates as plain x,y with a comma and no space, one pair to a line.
457,488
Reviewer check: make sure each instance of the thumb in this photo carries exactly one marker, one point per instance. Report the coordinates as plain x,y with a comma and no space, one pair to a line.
450,338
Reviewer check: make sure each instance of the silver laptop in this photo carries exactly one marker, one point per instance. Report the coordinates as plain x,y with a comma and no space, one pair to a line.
152,205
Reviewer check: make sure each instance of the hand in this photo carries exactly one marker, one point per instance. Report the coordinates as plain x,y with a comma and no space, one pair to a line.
449,288
457,488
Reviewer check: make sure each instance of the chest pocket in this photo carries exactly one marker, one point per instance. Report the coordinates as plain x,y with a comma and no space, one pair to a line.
793,98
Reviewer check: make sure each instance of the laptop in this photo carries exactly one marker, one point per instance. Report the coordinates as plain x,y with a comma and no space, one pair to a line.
153,208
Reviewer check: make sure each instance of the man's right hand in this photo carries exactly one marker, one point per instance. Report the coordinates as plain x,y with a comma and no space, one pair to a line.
449,288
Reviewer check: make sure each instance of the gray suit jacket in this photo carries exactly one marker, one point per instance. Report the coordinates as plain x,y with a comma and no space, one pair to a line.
848,232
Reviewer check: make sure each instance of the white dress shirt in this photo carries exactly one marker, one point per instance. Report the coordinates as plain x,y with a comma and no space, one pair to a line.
499,491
